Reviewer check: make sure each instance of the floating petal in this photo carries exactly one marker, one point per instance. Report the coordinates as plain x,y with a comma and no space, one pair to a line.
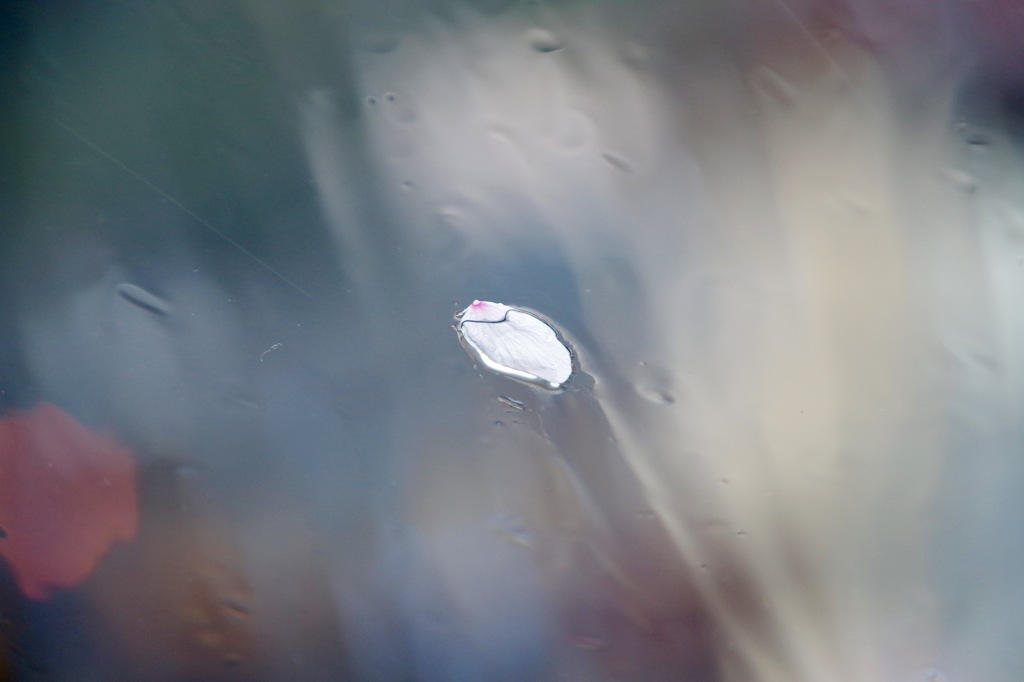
515,343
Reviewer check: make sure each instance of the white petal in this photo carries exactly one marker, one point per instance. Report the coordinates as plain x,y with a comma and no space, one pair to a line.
514,343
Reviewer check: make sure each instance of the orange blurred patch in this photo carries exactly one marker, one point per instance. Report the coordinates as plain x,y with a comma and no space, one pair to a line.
67,493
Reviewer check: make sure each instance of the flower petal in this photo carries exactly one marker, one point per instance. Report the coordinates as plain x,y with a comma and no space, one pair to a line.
514,343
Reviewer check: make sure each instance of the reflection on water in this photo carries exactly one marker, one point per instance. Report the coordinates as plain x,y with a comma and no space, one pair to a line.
784,239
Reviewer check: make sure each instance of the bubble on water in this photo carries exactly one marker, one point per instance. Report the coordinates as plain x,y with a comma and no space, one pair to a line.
543,41
146,300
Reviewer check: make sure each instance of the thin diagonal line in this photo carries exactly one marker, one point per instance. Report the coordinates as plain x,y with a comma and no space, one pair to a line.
185,209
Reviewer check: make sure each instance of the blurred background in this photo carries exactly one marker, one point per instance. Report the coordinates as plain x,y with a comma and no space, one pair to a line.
239,439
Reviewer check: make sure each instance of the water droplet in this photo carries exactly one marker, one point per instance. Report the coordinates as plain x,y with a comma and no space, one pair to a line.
511,528
499,424
636,55
616,162
774,86
961,180
511,402
408,184
149,302
543,41
450,216
390,97
371,100
236,609
655,395
589,642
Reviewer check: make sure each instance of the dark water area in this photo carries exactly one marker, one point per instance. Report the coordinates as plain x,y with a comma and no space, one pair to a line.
240,439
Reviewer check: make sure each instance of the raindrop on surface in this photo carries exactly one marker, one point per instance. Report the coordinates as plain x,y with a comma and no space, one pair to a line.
371,100
236,609
543,41
511,528
616,162
141,298
636,56
589,643
511,402
654,395
449,215
970,134
390,97
961,180
774,86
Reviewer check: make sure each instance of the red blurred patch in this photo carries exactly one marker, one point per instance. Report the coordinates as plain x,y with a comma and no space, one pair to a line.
67,494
